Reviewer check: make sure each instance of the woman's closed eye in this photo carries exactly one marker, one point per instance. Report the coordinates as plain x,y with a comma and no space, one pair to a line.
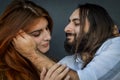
47,29
36,33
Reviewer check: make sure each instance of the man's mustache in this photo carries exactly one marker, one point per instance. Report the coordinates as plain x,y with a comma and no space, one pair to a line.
70,34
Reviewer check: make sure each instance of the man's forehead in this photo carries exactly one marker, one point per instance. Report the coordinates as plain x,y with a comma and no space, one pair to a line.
75,15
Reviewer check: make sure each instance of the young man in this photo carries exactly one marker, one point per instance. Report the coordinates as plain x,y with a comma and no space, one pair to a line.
90,38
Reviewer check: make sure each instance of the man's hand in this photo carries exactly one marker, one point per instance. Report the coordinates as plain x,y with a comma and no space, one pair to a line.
56,72
24,44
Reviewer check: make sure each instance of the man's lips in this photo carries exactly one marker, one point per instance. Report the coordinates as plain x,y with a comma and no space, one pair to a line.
70,34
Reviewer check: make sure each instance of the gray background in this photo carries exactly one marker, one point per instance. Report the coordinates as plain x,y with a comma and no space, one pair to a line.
60,10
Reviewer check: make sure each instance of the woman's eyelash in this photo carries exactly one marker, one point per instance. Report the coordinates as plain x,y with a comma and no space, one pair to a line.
36,33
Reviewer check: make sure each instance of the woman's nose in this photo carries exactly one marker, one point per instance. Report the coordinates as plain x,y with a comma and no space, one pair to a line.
47,35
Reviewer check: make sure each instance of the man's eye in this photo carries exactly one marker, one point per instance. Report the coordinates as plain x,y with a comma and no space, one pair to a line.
77,24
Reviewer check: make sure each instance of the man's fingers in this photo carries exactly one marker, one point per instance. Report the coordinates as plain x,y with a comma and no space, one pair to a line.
58,71
19,37
63,74
21,33
52,69
67,77
43,73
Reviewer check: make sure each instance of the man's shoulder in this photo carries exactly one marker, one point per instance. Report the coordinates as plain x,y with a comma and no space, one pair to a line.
67,59
113,42
110,44
70,57
115,39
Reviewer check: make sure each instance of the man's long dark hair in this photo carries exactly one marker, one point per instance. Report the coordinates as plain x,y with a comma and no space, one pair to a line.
100,29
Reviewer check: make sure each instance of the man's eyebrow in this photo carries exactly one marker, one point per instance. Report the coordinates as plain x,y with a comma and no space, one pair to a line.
76,19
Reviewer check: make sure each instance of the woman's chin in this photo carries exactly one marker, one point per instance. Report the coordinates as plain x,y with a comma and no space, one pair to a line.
44,51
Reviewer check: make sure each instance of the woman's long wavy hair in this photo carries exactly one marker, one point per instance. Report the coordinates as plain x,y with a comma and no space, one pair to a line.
18,15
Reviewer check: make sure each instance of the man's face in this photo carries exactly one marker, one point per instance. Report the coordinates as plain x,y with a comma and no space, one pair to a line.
73,28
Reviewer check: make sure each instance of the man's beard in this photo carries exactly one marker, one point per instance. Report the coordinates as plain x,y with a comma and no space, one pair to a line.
71,47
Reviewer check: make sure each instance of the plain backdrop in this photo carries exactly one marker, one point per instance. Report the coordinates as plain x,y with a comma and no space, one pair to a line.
60,10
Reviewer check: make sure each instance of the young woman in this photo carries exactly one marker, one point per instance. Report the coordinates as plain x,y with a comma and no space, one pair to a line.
22,16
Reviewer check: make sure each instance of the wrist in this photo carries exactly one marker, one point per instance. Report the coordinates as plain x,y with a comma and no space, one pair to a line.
40,60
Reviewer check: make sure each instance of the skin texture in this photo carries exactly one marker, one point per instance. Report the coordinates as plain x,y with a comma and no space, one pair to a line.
41,61
41,35
73,26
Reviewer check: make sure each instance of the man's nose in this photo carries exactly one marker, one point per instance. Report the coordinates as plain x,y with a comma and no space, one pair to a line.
68,28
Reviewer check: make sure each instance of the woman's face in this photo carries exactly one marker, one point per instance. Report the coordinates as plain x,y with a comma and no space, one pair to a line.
40,32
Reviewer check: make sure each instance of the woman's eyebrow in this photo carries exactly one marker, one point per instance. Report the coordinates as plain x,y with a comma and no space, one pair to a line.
35,31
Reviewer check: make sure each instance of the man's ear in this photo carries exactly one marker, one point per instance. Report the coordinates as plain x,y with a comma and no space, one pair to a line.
116,30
